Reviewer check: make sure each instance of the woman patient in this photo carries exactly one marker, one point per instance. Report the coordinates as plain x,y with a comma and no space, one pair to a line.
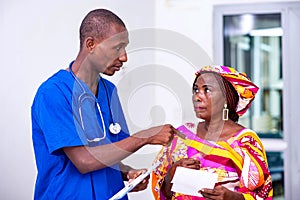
218,144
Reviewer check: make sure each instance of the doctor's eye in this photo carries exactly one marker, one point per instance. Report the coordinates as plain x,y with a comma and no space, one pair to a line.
120,47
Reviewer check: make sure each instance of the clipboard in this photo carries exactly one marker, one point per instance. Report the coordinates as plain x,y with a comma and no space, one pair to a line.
134,183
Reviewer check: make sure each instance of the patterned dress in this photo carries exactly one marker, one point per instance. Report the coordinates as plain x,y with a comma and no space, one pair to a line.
240,163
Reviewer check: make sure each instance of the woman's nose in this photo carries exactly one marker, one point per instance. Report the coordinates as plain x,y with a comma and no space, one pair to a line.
197,97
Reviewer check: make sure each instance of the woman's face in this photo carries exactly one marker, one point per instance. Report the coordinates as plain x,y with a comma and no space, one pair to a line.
208,98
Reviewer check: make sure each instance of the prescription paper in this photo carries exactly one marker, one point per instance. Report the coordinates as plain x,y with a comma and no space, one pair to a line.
190,181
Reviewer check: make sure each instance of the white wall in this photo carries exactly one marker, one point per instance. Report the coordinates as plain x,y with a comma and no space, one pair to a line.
40,37
37,39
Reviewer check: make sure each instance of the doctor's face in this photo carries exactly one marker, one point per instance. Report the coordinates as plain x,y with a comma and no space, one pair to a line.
110,54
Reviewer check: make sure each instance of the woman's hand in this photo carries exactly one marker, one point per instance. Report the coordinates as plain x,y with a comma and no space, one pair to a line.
221,193
133,174
188,163
184,162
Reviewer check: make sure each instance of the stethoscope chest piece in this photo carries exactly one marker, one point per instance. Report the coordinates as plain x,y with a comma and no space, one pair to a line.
114,128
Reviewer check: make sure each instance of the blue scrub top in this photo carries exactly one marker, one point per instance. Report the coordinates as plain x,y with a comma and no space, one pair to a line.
56,124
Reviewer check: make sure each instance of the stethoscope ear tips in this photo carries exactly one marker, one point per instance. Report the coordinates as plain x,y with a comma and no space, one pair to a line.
114,128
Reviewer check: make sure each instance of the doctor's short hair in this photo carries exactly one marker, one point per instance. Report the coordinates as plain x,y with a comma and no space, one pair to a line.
97,24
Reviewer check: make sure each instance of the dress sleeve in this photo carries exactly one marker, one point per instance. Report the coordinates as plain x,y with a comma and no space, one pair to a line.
160,172
167,156
255,178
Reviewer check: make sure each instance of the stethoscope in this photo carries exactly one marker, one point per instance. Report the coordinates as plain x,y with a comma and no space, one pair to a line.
114,127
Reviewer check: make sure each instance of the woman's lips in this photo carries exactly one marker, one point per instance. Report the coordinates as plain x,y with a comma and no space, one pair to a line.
198,109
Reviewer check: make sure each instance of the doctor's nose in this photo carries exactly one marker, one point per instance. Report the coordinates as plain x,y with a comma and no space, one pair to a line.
123,57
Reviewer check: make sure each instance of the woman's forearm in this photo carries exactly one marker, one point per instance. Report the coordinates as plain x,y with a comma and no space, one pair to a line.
166,187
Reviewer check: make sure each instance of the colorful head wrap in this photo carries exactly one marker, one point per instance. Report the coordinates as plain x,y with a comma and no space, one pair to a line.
242,84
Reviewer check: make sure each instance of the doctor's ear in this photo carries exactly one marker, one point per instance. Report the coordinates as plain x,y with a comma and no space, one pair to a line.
90,44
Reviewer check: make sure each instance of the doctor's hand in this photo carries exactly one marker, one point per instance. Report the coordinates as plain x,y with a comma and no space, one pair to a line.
133,174
161,135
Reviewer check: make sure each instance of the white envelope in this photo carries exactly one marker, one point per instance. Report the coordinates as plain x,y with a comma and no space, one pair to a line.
190,181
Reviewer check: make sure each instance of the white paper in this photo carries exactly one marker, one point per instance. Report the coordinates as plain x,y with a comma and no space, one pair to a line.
190,181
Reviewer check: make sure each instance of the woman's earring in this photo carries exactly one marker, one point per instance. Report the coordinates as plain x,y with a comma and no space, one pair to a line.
225,112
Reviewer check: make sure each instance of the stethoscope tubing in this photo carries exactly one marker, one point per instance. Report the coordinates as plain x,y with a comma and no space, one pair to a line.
114,126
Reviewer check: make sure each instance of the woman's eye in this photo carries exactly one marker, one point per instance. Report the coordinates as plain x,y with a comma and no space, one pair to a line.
195,90
207,90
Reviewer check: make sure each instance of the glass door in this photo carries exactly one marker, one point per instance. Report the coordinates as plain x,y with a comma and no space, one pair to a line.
252,44
263,41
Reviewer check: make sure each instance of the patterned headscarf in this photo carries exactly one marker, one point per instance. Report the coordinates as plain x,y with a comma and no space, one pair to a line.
242,84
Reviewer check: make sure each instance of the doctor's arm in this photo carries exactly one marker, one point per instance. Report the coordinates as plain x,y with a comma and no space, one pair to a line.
88,159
